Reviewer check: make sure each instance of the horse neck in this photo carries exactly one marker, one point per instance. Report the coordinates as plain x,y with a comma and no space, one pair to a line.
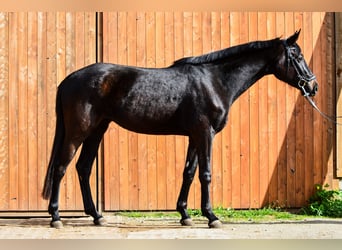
240,74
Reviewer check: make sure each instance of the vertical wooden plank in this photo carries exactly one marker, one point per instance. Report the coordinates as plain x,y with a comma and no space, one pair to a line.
254,125
317,118
151,140
226,133
60,75
300,146
281,122
161,146
32,103
188,51
244,127
51,79
90,38
111,167
79,39
197,49
70,178
328,127
263,120
272,121
42,60
13,111
338,53
323,94
180,143
326,35
76,54
22,114
235,121
132,137
123,134
308,115
142,139
212,34
4,110
171,192
291,125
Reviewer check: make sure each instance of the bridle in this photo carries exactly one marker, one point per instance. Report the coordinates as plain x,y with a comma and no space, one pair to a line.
305,77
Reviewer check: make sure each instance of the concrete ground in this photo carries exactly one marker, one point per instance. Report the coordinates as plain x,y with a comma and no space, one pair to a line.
119,227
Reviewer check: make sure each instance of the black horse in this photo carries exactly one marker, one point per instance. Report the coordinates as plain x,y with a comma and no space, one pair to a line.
192,97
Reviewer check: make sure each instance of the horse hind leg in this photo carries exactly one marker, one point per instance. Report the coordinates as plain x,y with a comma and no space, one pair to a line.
67,152
84,167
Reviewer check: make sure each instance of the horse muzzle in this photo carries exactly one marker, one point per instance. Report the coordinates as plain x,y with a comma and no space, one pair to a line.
309,88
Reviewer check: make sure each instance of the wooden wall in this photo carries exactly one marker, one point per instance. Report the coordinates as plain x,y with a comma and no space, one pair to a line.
273,150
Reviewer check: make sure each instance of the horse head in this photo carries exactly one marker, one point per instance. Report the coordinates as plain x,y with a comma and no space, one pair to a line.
292,68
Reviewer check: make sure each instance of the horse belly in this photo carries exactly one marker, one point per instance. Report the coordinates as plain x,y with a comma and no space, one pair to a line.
151,103
152,116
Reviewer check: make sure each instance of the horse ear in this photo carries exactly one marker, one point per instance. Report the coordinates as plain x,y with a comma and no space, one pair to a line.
292,39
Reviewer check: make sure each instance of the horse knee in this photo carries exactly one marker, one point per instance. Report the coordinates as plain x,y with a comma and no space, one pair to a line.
188,175
60,172
83,171
205,177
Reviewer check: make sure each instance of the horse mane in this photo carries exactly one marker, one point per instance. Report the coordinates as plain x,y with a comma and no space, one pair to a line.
228,52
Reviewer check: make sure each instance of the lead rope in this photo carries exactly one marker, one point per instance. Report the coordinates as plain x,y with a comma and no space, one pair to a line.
330,118
303,80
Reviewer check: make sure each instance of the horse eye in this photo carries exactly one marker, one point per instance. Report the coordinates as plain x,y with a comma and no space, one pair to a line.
299,57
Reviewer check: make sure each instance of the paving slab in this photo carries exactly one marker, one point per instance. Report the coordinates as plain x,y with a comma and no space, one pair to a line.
120,227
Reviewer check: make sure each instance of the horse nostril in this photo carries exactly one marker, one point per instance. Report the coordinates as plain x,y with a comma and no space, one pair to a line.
315,89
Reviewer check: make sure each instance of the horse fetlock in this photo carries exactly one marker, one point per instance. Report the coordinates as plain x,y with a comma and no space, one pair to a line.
181,205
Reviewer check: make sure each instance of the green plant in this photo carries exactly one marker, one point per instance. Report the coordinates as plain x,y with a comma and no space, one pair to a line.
324,202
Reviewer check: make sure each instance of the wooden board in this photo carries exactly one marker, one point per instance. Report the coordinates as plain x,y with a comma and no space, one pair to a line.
274,146
38,50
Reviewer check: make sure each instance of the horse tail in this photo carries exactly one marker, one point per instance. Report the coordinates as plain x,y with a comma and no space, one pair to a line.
56,148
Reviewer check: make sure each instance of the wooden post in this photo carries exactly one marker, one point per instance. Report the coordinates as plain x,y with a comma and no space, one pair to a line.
338,35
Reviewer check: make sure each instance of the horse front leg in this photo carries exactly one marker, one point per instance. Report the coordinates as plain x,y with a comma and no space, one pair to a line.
188,177
204,148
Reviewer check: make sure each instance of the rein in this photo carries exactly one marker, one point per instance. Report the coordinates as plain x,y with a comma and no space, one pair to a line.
329,118
304,78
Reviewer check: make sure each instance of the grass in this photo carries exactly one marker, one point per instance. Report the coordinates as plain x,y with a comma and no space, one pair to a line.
324,203
226,215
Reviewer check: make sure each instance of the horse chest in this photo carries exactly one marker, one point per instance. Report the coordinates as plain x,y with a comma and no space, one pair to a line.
219,120
215,106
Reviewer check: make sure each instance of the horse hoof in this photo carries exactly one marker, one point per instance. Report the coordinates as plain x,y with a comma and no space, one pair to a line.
187,222
56,224
100,222
215,224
